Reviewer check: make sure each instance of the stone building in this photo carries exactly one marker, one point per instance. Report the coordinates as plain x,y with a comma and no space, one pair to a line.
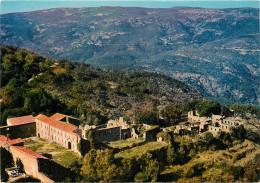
34,164
112,131
51,128
6,142
134,133
120,122
203,127
192,129
193,116
19,131
179,129
231,121
20,120
214,128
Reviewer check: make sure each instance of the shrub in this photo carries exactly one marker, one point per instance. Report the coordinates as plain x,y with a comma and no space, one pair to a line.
141,177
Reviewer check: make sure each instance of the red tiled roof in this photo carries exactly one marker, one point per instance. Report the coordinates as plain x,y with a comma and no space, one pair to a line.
4,139
57,116
58,124
29,152
21,120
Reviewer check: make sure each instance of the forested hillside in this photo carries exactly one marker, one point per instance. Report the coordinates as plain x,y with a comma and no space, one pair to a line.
32,84
214,50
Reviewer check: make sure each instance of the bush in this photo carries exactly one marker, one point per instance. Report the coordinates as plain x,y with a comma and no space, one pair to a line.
238,156
141,177
208,107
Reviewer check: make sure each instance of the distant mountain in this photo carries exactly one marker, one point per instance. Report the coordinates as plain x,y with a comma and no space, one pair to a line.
215,50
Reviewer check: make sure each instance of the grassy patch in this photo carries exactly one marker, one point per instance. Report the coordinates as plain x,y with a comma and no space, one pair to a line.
66,158
138,151
59,154
124,143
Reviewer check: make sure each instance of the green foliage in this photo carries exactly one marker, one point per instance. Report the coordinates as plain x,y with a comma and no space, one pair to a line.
128,169
171,155
239,156
243,109
99,166
141,177
84,146
225,140
208,107
239,132
251,172
29,80
150,167
20,91
148,117
90,138
194,169
167,137
208,137
36,100
253,136
172,114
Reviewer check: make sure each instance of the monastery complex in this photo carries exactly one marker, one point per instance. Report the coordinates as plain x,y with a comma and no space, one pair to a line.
63,130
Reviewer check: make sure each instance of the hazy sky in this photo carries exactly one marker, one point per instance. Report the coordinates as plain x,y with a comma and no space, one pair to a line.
11,6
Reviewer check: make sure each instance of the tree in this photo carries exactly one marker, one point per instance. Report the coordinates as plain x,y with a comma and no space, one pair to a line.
250,174
172,114
224,139
128,169
99,165
253,136
148,117
208,137
150,168
239,132
171,155
208,107
37,100
88,169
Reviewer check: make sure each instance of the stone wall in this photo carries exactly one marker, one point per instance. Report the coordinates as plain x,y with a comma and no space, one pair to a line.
213,128
125,133
29,162
107,134
19,131
150,133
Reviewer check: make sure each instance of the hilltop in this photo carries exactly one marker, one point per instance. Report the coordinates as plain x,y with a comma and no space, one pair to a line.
214,50
32,83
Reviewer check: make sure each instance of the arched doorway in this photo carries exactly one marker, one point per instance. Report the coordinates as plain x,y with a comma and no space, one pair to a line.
39,135
69,145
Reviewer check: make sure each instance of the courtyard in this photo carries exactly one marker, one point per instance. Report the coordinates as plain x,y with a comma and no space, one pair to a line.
52,150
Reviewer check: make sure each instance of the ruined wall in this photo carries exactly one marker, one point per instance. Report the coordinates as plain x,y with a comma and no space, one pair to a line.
226,128
107,134
150,133
19,131
30,164
125,133
213,128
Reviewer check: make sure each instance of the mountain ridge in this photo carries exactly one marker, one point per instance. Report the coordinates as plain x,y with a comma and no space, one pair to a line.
214,50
